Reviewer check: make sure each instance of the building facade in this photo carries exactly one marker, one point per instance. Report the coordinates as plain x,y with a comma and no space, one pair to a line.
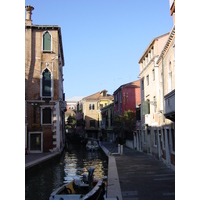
91,112
156,131
126,97
107,115
45,98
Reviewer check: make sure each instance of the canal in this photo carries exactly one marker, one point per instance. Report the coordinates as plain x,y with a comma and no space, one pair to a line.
75,160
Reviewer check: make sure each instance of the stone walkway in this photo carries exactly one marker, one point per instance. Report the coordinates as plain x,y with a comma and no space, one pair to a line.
141,176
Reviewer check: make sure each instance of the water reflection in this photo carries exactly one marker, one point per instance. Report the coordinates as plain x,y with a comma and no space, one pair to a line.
78,160
75,161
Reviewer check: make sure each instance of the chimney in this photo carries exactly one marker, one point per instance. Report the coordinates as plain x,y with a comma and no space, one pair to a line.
29,9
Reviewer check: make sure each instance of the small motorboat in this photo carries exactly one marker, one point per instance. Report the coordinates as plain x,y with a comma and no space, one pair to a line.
92,145
85,188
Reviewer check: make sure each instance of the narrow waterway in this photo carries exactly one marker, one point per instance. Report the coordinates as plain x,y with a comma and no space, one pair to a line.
75,160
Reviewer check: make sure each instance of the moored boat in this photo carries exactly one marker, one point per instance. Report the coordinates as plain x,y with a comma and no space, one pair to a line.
84,188
92,145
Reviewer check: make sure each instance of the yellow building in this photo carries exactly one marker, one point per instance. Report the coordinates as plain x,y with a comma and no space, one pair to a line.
91,112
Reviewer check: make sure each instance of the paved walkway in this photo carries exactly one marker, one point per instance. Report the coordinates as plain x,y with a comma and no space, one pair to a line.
142,176
33,159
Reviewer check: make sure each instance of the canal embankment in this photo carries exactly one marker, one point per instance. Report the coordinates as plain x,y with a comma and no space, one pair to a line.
113,184
37,160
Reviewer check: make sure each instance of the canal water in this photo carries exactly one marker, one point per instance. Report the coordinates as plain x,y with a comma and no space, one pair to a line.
74,161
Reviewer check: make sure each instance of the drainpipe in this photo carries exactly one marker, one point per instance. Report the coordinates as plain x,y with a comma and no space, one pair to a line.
163,89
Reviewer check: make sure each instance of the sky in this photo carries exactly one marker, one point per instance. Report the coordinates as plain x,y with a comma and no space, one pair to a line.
103,40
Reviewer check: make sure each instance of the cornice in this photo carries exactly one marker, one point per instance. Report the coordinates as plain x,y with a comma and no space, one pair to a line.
148,65
167,44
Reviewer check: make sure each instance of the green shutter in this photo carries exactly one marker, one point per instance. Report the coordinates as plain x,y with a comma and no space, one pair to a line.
47,42
145,107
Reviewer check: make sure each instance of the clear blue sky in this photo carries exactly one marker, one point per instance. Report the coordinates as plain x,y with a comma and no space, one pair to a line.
103,40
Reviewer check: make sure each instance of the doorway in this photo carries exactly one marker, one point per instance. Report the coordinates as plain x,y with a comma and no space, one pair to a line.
167,142
35,142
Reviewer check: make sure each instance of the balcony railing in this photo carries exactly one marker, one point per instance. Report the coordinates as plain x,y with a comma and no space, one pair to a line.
170,105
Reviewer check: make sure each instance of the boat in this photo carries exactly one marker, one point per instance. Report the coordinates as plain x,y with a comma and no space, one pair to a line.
84,188
92,145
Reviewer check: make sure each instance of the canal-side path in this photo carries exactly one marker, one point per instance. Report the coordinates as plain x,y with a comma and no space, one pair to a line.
138,176
35,159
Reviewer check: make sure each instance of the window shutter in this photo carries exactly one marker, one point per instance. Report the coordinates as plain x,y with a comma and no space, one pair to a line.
145,107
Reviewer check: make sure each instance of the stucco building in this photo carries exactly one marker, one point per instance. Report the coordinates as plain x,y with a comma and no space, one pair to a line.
107,115
91,112
126,97
45,98
156,133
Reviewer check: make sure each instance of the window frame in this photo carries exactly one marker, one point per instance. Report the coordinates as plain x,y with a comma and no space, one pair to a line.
41,83
147,79
29,142
43,42
142,84
42,108
153,74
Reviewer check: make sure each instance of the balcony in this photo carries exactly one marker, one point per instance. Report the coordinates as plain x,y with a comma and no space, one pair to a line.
170,105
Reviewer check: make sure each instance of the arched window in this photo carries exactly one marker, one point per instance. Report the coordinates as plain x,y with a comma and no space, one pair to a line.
46,83
93,107
46,41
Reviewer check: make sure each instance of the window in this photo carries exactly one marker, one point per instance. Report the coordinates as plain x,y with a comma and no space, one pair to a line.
46,116
92,123
91,107
46,41
147,77
148,106
155,138
153,74
142,83
154,103
46,83
116,98
36,142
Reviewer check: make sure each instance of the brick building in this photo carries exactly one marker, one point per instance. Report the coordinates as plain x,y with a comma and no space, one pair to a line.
45,100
